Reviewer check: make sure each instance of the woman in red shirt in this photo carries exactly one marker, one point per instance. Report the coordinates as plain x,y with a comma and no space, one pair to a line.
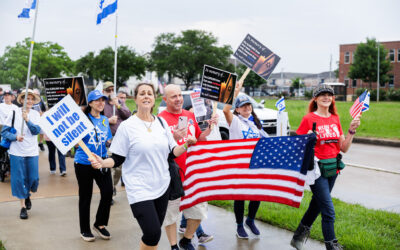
330,141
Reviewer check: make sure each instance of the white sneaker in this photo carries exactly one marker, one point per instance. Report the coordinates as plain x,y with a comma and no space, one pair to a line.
63,173
52,172
204,238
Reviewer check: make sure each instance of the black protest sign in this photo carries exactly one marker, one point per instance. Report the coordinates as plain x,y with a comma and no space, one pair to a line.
217,85
257,57
57,88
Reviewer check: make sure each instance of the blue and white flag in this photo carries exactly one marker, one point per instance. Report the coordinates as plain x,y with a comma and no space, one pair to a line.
280,104
366,103
105,8
29,5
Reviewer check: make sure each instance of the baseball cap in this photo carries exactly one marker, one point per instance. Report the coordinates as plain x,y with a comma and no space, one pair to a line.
8,92
95,95
106,85
322,88
241,100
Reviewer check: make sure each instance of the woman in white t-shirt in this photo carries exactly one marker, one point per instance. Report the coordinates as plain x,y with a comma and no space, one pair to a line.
142,144
24,152
244,124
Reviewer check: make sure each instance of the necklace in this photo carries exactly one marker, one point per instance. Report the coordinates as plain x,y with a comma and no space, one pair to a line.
148,127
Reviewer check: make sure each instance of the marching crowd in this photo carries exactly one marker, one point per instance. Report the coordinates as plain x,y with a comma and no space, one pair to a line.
137,147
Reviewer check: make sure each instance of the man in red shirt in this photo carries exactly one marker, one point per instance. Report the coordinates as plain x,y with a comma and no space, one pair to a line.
194,215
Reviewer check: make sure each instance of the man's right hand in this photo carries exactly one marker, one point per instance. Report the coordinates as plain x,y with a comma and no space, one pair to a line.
179,133
113,119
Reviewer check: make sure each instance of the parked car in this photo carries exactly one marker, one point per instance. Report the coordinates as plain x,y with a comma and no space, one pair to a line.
267,116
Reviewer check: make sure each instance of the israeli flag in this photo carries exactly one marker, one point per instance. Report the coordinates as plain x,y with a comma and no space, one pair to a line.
365,106
105,8
280,104
29,5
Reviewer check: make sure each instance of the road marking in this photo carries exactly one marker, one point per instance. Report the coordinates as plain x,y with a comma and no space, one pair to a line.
372,168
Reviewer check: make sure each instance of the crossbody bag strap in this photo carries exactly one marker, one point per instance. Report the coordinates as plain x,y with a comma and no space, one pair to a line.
13,119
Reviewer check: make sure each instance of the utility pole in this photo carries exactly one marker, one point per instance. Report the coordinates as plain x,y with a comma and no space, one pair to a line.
377,82
330,69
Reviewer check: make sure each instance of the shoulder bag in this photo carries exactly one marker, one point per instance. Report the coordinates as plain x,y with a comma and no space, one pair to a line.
4,142
331,167
175,186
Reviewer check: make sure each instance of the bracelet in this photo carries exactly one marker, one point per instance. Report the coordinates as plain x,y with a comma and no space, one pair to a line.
352,132
185,146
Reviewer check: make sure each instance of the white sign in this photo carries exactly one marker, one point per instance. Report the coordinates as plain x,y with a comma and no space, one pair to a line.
202,108
65,124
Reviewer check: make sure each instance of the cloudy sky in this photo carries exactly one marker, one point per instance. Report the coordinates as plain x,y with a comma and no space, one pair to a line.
304,33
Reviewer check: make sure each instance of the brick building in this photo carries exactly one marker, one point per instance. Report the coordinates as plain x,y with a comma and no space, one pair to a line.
346,59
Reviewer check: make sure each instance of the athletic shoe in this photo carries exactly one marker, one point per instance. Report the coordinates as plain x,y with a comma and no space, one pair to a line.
41,146
52,172
87,237
241,233
188,246
63,173
28,203
114,191
250,225
181,230
103,233
23,214
204,238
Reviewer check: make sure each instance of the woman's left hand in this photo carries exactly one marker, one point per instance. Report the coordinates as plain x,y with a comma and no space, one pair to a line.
213,120
191,140
25,115
355,123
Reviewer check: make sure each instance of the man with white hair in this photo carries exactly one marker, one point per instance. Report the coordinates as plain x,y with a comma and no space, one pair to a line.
194,215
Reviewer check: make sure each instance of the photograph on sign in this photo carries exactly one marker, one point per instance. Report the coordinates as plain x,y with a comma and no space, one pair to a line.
257,57
218,85
202,108
65,124
57,88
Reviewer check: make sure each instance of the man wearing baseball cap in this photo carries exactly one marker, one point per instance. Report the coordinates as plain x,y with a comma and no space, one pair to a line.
7,106
121,113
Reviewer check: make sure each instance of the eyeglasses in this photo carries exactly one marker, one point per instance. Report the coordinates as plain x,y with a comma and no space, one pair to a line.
109,90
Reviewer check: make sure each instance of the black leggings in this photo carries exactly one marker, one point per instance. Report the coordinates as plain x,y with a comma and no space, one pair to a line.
85,174
150,216
238,208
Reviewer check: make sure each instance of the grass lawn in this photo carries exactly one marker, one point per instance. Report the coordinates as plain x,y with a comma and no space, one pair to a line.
356,227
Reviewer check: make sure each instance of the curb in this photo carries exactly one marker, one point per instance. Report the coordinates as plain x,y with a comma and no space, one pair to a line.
372,168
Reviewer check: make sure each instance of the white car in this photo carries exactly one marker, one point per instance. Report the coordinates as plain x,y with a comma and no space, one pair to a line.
267,116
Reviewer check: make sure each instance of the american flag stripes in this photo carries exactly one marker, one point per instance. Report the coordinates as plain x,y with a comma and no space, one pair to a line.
360,105
268,169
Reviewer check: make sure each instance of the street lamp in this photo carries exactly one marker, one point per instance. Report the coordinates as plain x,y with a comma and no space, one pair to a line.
377,82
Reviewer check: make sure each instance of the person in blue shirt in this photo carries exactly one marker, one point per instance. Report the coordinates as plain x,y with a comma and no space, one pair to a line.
85,174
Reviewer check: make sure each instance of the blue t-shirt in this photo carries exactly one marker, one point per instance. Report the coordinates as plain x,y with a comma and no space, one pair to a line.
96,144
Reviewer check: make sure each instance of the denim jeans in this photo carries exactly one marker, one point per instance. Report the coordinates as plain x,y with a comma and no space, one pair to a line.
199,230
52,157
321,202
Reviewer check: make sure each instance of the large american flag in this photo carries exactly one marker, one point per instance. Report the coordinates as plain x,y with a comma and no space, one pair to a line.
268,169
360,105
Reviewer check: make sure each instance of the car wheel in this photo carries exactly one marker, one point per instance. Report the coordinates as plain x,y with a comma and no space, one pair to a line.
224,135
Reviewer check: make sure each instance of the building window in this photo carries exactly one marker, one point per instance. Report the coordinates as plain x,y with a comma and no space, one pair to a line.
391,55
347,57
322,80
398,55
354,83
382,84
346,82
352,57
273,82
391,81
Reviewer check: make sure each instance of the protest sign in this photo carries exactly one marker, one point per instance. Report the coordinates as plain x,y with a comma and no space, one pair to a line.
217,85
65,124
202,108
257,57
57,88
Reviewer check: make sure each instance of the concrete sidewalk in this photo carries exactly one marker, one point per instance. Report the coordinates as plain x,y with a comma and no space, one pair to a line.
54,224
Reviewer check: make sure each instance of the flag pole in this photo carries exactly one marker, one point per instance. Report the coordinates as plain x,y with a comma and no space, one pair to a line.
115,58
30,61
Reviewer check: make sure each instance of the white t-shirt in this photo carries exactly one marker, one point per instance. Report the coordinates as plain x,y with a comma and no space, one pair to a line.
242,128
29,146
145,170
6,109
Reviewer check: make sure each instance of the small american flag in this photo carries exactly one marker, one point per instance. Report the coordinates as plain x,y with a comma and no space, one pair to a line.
360,105
268,169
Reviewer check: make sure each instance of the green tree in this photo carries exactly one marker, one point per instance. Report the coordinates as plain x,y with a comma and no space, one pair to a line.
252,79
48,60
365,63
101,67
184,55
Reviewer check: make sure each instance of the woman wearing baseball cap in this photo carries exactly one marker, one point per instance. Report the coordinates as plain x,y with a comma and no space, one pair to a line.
244,124
85,174
330,141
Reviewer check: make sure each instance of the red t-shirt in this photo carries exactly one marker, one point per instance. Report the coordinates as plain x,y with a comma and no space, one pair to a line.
328,132
193,130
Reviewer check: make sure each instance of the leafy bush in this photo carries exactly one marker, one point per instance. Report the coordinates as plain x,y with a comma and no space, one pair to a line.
308,94
393,95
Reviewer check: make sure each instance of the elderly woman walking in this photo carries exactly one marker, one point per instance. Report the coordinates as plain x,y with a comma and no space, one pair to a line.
24,151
